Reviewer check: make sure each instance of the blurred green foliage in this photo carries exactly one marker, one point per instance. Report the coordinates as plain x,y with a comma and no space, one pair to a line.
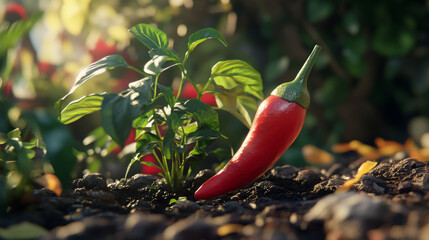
32,141
371,78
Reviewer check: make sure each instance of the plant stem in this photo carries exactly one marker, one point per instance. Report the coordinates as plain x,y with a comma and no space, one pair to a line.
138,70
185,75
163,168
155,155
135,158
207,85
155,85
163,164
182,81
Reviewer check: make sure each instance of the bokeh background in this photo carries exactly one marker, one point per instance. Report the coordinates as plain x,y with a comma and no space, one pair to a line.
371,79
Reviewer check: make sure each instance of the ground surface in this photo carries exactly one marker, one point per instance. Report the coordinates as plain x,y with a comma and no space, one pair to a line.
390,202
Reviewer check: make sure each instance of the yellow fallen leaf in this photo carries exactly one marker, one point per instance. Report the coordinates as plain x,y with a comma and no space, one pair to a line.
341,147
359,147
51,182
317,156
229,229
364,168
388,147
425,154
414,151
365,150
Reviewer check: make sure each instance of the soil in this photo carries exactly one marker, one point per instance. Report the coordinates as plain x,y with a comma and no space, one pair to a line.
389,202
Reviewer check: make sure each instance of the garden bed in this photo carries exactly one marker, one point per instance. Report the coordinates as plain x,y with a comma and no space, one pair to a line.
389,202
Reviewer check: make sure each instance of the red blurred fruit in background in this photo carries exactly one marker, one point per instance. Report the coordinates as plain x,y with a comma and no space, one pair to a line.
102,49
189,91
7,89
46,68
15,12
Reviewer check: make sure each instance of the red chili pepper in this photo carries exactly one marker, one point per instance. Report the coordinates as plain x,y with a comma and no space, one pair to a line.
15,12
276,125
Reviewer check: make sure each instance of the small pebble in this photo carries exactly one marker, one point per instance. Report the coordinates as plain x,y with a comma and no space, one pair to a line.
345,211
93,181
371,184
285,172
407,186
143,226
201,177
140,181
231,206
327,187
307,179
191,229
184,207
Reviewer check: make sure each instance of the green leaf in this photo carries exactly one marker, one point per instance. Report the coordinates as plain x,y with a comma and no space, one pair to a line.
175,120
205,115
181,148
354,48
115,116
10,36
168,143
147,138
141,123
246,107
150,164
203,35
174,201
168,94
24,162
172,56
81,107
159,57
157,103
150,36
14,134
99,138
133,160
333,92
351,23
319,10
233,74
228,102
190,128
237,86
3,138
59,143
119,110
23,230
202,135
392,40
92,70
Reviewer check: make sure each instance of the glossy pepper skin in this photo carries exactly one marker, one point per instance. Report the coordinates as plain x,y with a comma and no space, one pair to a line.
276,125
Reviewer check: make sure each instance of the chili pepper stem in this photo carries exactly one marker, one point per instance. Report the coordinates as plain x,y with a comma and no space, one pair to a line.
296,91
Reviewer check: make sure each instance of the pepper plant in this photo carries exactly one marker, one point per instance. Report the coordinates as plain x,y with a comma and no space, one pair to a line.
170,128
